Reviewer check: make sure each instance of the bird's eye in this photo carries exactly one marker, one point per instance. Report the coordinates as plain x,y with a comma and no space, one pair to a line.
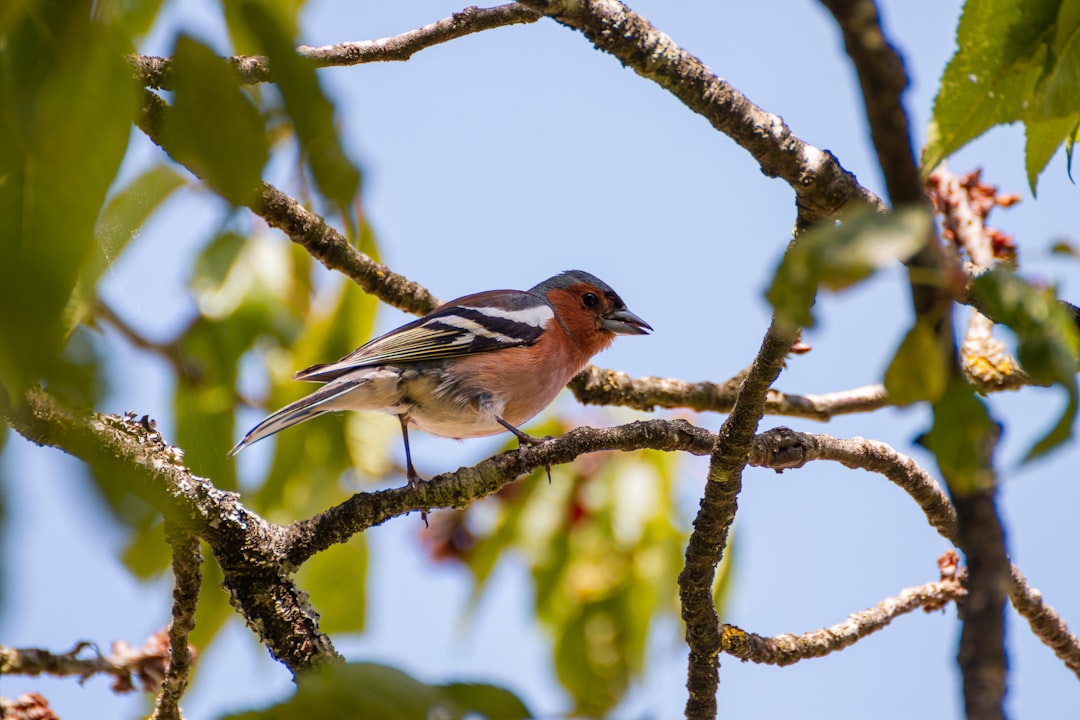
590,300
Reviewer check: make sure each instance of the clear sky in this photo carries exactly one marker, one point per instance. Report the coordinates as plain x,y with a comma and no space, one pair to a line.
502,158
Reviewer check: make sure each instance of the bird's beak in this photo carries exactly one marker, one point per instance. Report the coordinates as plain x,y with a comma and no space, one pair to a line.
624,322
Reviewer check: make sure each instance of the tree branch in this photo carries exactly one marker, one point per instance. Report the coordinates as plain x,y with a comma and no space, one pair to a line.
309,230
715,515
600,386
130,451
980,533
788,649
821,185
782,449
156,72
186,559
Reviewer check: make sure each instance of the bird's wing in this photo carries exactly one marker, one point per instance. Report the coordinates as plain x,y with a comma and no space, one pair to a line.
478,323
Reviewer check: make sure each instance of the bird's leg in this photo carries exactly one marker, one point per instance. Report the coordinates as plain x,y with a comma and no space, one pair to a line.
525,440
411,475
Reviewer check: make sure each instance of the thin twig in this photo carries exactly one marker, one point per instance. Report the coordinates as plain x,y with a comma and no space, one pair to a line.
788,649
156,72
186,559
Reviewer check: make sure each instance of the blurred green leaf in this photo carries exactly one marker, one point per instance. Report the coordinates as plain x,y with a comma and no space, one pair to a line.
135,16
311,112
243,41
962,439
119,223
920,368
493,703
838,256
604,542
309,461
214,128
57,64
335,580
378,692
1047,342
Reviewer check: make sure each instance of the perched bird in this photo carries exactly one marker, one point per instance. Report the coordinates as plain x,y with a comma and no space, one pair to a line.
476,366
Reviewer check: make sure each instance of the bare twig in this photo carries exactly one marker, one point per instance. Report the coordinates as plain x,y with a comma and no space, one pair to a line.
787,649
1044,620
168,351
599,386
186,559
783,449
715,515
156,72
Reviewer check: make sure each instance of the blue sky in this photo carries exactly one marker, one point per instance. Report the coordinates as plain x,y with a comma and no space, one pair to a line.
501,158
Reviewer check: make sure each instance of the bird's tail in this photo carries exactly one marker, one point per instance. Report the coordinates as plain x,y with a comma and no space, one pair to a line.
307,407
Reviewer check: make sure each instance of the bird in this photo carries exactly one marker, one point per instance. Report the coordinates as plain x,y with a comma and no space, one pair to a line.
476,366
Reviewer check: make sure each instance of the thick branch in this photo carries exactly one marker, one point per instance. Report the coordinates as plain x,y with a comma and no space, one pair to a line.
788,649
132,452
156,72
715,516
822,186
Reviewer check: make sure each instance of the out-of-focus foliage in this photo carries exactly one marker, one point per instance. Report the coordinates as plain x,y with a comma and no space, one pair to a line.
58,63
1016,60
367,690
836,256
1047,342
312,115
604,541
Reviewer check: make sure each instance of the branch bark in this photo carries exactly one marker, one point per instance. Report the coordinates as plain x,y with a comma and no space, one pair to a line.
155,72
789,649
822,186
715,516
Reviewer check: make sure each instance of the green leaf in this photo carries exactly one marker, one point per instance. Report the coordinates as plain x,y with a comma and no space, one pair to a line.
962,439
920,369
838,256
378,692
1047,341
1044,137
214,127
991,79
1061,81
335,579
119,223
57,64
312,114
494,703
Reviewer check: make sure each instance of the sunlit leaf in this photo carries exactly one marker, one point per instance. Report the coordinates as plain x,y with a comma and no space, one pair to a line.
214,128
311,112
1047,341
991,79
836,257
920,368
367,690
